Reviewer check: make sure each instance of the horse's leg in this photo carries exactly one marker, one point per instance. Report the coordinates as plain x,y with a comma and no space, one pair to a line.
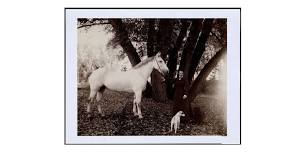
91,99
98,98
134,107
99,95
138,103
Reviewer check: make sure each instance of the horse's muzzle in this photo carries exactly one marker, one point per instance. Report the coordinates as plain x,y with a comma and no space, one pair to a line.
166,72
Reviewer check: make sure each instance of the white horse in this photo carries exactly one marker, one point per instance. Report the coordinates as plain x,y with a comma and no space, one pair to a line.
133,80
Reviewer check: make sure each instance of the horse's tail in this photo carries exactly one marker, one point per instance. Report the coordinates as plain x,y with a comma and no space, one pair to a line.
86,84
83,85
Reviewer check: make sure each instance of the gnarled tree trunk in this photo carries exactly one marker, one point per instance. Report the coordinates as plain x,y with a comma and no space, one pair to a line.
201,78
173,56
151,37
189,47
150,49
182,83
164,37
125,41
200,47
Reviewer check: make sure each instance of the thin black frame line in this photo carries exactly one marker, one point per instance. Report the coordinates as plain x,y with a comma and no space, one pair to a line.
240,77
65,143
64,76
153,8
155,144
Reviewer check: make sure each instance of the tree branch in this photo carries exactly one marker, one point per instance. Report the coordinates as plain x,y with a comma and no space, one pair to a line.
124,40
205,72
86,25
200,47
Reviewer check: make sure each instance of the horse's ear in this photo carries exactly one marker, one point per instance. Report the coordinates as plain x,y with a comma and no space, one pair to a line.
158,54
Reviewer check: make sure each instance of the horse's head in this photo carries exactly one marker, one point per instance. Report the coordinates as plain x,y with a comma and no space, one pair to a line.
160,64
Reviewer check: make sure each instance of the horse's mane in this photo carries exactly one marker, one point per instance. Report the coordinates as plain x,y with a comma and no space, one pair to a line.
144,62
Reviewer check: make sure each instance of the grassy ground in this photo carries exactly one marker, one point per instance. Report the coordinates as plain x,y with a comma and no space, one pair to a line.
119,119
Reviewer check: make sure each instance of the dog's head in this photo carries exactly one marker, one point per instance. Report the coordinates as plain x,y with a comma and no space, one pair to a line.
181,113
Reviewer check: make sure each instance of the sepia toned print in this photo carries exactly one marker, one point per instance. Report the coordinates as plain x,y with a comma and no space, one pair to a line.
140,76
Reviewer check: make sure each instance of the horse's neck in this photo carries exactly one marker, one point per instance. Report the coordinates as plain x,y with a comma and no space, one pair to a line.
146,70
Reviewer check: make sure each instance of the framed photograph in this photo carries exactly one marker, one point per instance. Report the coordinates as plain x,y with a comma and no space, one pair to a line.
152,76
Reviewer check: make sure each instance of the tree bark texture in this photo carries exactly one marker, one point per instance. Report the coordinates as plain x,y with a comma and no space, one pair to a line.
189,47
125,41
150,49
182,85
173,56
151,37
200,47
164,36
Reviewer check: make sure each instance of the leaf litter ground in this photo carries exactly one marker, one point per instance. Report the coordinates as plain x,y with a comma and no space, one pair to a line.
119,118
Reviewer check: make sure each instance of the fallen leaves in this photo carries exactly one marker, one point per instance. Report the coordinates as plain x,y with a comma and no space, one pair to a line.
119,118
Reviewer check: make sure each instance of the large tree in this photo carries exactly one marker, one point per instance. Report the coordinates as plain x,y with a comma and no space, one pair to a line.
182,85
201,78
192,38
163,43
173,58
200,47
151,37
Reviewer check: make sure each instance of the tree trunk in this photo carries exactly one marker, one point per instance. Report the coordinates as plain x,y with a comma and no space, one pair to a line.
164,37
189,47
200,47
173,55
125,41
150,50
201,78
151,37
163,44
182,84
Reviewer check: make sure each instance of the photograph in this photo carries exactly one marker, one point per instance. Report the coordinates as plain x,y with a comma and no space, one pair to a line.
151,76
210,76
157,68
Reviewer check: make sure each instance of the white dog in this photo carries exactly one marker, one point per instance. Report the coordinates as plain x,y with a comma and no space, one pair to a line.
175,121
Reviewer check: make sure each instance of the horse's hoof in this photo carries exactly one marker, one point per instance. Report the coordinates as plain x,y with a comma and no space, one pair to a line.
140,117
135,114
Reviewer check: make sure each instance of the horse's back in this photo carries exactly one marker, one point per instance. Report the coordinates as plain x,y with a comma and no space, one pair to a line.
114,79
119,81
99,76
